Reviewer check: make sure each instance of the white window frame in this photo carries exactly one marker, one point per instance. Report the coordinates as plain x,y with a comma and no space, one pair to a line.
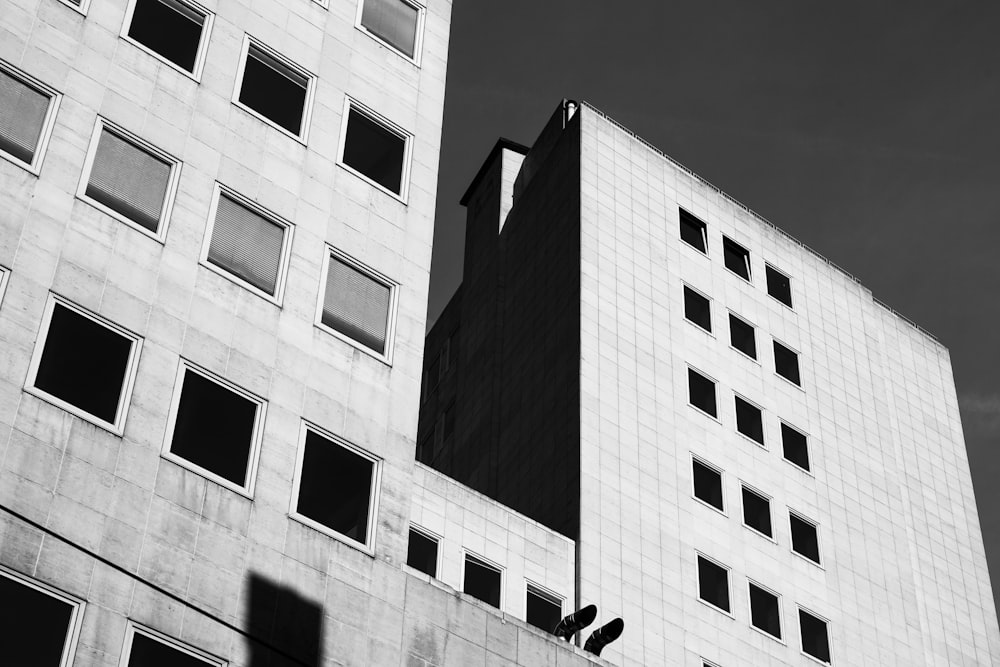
390,329
76,614
729,584
286,243
768,265
715,387
711,315
808,449
781,615
368,546
175,173
81,8
253,457
763,422
407,137
540,591
704,231
418,42
829,638
206,31
722,480
770,513
486,562
4,278
307,104
132,628
750,324
49,122
746,259
131,368
798,362
438,539
791,544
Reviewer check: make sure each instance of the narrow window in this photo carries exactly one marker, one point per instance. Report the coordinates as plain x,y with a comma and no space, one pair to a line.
395,22
335,487
713,583
358,304
38,624
749,420
701,392
707,484
544,610
422,552
757,512
147,648
175,30
815,637
275,89
4,277
778,285
736,257
694,232
27,113
482,580
764,611
794,447
85,364
741,336
697,309
805,538
375,149
786,363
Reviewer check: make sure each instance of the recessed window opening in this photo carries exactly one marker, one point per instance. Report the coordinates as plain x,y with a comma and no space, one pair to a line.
741,336
786,363
694,232
749,420
757,512
395,22
707,484
275,89
147,648
358,304
173,29
482,580
778,285
27,113
736,257
38,625
701,392
374,149
422,552
697,309
794,446
805,537
815,636
543,609
713,583
764,611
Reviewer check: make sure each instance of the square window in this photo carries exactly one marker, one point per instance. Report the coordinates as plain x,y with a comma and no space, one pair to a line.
482,580
694,232
274,89
805,537
147,648
38,624
778,285
765,613
794,447
129,179
422,552
27,114
358,305
375,149
741,336
175,31
786,363
84,364
216,428
701,392
757,512
336,487
707,484
749,420
248,243
397,23
815,637
736,257
713,583
697,309
543,609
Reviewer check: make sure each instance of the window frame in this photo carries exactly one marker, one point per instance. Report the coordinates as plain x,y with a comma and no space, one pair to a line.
737,397
132,627
767,284
418,41
407,137
253,457
704,230
753,327
75,624
438,539
746,259
798,358
143,145
687,287
4,278
781,623
116,427
744,486
543,592
48,123
715,388
489,564
286,243
695,459
805,435
202,51
307,104
826,621
729,584
791,542
80,9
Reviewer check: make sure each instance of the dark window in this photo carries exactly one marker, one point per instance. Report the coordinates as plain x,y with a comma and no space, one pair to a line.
694,232
34,626
169,28
786,363
794,446
749,420
149,652
764,614
23,109
778,285
482,581
701,392
335,487
214,427
274,89
707,484
805,540
422,553
713,583
815,639
374,150
737,258
129,180
246,244
544,611
84,363
392,21
757,512
697,309
741,336
356,304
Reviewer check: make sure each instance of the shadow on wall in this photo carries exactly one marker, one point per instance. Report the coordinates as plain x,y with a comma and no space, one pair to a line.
287,628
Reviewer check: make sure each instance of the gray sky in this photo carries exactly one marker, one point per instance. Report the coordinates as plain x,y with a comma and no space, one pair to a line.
868,130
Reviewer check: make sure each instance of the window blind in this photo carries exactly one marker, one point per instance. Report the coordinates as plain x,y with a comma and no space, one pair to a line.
22,115
246,244
127,179
356,305
394,21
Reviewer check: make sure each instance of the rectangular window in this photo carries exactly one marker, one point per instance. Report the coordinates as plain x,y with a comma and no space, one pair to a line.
701,392
815,636
248,242
336,487
707,484
778,285
38,624
765,613
176,31
786,363
805,537
375,149
749,420
741,336
358,305
422,552
147,648
396,23
757,512
794,446
27,114
84,364
215,428
694,232
697,309
129,179
274,89
736,257
482,580
543,609
713,583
